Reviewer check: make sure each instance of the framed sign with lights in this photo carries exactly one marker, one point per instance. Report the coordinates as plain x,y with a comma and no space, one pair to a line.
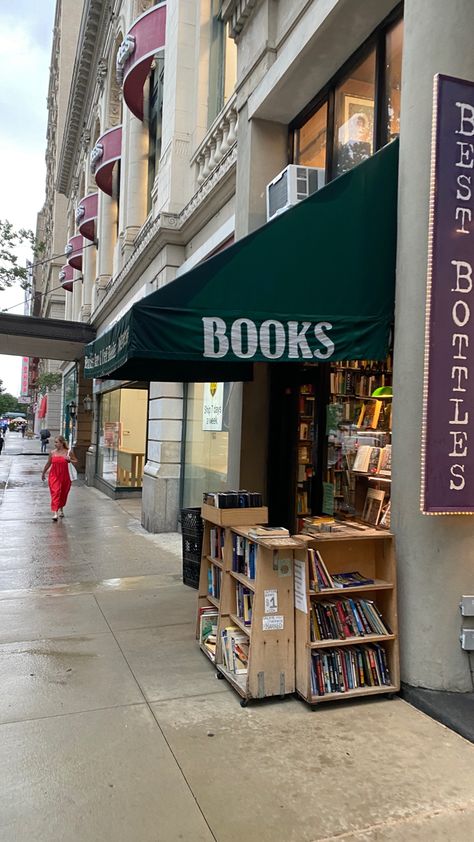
447,486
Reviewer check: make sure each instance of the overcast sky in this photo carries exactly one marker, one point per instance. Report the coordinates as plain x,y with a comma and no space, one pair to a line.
26,27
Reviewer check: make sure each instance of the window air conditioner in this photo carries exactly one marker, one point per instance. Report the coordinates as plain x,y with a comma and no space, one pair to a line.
291,186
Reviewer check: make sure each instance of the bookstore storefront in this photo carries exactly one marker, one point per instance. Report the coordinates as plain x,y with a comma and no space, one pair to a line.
121,450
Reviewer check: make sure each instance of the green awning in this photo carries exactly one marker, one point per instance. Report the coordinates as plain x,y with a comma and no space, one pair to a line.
315,284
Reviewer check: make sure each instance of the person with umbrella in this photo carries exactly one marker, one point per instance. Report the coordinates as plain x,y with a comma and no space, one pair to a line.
45,436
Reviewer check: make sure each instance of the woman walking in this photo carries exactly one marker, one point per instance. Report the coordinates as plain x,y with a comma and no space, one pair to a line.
59,479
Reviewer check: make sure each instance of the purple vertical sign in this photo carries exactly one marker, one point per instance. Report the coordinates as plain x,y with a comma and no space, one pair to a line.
448,392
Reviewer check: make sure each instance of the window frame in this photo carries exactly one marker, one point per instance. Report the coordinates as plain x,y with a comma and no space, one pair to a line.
376,41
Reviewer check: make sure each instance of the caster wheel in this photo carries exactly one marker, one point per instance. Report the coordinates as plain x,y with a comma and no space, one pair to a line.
244,703
219,676
389,695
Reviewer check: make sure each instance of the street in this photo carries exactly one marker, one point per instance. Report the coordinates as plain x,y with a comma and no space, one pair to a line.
113,727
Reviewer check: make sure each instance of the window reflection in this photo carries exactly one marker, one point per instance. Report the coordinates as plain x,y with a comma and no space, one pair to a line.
122,437
310,140
393,80
354,117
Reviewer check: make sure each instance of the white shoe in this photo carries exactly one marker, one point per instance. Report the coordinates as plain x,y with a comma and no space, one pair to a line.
61,512
55,515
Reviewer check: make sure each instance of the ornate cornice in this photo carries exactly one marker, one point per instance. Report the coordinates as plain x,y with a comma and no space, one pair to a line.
236,13
92,35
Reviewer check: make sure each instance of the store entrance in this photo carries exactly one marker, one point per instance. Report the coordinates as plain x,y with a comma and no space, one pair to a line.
330,442
298,397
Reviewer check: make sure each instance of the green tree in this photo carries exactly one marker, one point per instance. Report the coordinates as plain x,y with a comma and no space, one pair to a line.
8,403
11,271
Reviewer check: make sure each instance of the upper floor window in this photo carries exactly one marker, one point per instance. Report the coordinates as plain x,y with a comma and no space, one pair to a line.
155,122
222,63
358,112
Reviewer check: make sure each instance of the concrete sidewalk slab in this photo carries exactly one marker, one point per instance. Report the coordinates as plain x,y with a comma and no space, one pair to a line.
101,776
63,675
306,776
37,617
168,606
164,662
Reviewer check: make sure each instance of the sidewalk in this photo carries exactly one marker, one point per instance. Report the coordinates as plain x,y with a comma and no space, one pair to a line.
113,727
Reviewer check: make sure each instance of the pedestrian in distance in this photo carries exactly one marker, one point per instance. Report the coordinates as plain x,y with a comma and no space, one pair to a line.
45,436
23,429
2,442
59,479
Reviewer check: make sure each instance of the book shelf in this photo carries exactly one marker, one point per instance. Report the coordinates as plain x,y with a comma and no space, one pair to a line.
305,452
340,661
254,640
356,419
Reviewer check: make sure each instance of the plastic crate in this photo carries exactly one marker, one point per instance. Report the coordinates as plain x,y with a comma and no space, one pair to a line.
191,570
191,521
192,529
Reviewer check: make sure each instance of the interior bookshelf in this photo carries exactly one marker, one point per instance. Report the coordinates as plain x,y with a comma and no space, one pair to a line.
358,423
251,642
306,437
346,637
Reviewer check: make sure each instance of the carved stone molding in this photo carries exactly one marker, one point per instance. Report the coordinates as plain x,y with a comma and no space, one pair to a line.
102,69
237,13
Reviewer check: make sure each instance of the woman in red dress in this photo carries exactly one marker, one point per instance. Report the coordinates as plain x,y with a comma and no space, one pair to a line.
59,480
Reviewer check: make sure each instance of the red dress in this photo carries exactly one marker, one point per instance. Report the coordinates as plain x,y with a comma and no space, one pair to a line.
59,482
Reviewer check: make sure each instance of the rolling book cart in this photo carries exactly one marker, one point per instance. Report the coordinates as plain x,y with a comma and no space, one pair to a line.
253,643
346,637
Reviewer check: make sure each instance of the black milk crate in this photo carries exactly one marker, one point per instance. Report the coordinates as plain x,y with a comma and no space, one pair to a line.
192,529
191,569
191,521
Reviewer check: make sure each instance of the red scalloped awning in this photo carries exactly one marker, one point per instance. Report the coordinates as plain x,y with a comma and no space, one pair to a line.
105,154
74,251
66,277
86,215
146,38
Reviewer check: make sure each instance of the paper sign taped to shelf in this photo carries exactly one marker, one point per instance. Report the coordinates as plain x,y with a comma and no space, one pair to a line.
300,586
270,598
274,623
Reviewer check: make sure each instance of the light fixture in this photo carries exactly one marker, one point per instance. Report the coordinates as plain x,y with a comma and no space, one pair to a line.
88,402
73,409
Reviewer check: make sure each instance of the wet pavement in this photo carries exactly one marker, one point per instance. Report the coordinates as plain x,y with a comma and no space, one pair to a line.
113,727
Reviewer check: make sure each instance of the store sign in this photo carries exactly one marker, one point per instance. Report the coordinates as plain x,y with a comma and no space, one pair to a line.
213,405
448,414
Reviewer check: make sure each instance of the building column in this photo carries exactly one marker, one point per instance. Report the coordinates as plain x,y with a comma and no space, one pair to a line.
83,419
435,554
262,152
134,202
161,480
76,298
107,237
89,263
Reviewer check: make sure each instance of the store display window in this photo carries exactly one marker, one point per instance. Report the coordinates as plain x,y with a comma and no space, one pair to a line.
122,437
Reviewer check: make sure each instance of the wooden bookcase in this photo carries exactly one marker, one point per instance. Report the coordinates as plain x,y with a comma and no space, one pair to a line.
270,633
372,554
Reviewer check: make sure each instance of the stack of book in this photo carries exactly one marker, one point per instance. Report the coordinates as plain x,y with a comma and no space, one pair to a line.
244,556
321,579
268,532
235,650
342,669
339,619
232,499
216,540
214,580
208,620
244,603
